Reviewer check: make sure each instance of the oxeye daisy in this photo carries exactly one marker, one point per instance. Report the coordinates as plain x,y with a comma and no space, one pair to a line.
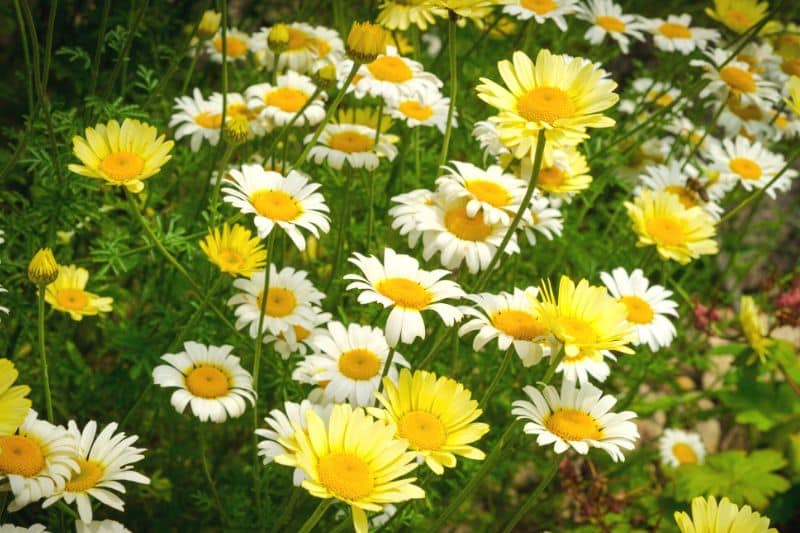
291,302
736,80
390,76
648,91
209,379
545,219
607,18
648,306
14,405
68,295
353,144
485,132
683,183
578,417
740,118
309,47
234,250
122,156
562,96
291,202
400,14
100,526
676,34
678,233
406,213
280,103
33,528
709,517
678,447
197,118
511,318
785,126
543,10
567,176
740,15
425,107
355,459
36,461
236,105
754,326
104,460
299,342
398,282
236,46
751,164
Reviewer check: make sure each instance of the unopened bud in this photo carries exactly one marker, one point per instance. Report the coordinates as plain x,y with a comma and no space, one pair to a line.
325,77
209,24
236,130
43,268
365,42
278,38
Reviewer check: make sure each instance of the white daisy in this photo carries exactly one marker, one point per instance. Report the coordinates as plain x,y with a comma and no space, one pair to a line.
736,80
543,10
425,107
691,134
391,77
546,218
351,143
398,282
485,132
406,213
577,418
740,118
11,528
607,18
751,164
280,103
302,336
784,125
236,105
678,447
104,461
676,34
676,181
656,93
198,118
100,526
209,378
289,202
236,46
309,47
762,59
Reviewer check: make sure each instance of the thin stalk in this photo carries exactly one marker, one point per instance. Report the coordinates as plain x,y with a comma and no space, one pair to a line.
27,56
439,336
451,45
176,61
126,47
497,377
386,367
340,230
417,157
48,41
207,470
282,133
223,163
98,50
371,209
525,508
48,399
699,143
316,515
551,369
188,78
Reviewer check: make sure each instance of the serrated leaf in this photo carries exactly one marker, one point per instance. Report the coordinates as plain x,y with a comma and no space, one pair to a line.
762,405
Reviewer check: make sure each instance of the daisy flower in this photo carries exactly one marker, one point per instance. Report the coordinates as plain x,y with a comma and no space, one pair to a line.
426,107
103,461
299,342
390,76
236,105
406,213
196,118
755,326
678,447
14,405
354,459
280,103
34,528
677,35
739,15
398,282
309,47
36,461
709,517
735,80
607,18
350,362
236,46
477,11
234,250
485,132
676,181
751,164
648,306
678,233
511,318
353,144
546,218
100,526
652,92
209,379
567,176
543,10
291,202
562,96
400,14
579,418
67,294
122,156
785,126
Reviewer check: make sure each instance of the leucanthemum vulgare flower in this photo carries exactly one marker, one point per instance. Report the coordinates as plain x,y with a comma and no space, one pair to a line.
679,233
648,306
567,176
390,76
485,132
751,164
349,362
309,47
678,447
234,250
292,301
543,10
740,15
607,18
436,415
196,118
236,46
735,80
490,194
710,517
33,528
14,405
237,110
68,295
299,342
400,14
100,526
511,318
545,218
785,125
280,103
425,107
399,282
36,461
353,144
676,34
104,460
578,417
290,203
562,96
648,91
477,11
754,326
675,180
122,156
355,459
209,379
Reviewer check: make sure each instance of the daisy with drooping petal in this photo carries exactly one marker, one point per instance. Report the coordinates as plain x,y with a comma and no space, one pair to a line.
209,379
567,176
543,10
14,405
390,76
678,233
751,164
400,14
425,107
579,418
490,193
355,459
406,214
299,342
607,18
197,118
678,447
353,144
708,517
754,326
676,34
281,102
398,282
511,318
67,294
122,156
309,47
740,15
735,80
104,461
675,180
648,306
236,46
290,202
234,250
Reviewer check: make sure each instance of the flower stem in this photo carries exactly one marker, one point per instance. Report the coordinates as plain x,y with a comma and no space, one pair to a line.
417,159
48,399
554,362
525,508
316,515
220,175
340,231
386,367
197,50
209,478
282,133
451,45
699,143
498,375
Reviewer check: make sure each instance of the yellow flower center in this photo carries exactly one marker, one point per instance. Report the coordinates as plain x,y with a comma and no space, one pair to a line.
235,46
298,40
610,24
576,331
322,47
545,104
746,168
207,382
423,430
518,324
639,311
666,230
21,456
738,79
744,112
572,424
540,7
122,166
345,475
301,333
280,302
359,364
72,299
489,192
209,120
550,178
791,66
286,99
663,100
781,121
351,142
405,293
466,228
675,31
684,454
413,109
230,260
276,205
391,69
87,477
684,195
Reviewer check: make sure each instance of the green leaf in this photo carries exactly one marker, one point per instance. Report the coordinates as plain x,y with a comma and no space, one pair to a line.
762,405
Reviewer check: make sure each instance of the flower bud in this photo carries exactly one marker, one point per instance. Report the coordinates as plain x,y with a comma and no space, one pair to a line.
325,77
365,42
43,268
236,130
209,24
278,38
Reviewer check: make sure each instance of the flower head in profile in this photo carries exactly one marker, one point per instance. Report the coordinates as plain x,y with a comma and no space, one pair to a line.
366,41
68,294
740,15
236,46
678,447
400,14
477,11
754,325
14,404
43,268
234,250
710,517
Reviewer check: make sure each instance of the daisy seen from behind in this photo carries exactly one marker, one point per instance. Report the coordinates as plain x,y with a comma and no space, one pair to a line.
68,295
678,447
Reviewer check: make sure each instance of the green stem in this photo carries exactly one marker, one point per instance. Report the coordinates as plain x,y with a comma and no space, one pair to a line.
188,78
316,515
498,375
48,399
386,367
340,230
451,45
417,158
699,143
371,209
209,478
554,362
439,336
220,178
525,508
284,130
288,508
98,50
126,47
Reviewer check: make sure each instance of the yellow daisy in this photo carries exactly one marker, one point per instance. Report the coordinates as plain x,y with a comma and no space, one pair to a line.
121,155
793,88
754,325
435,415
708,517
67,294
567,176
679,233
235,251
14,405
477,11
739,15
399,15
